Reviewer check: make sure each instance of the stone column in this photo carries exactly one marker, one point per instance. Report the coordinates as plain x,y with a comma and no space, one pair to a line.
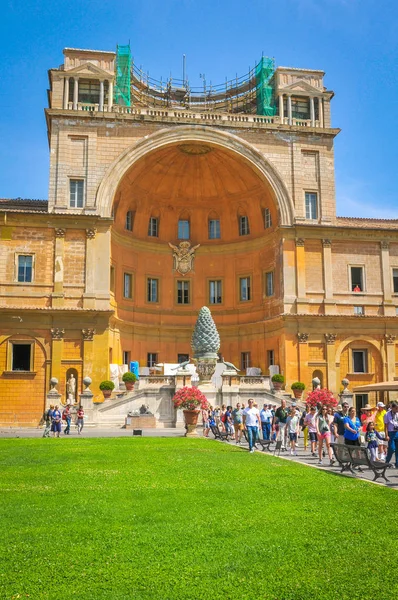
89,293
75,93
281,115
302,356
331,361
389,309
300,276
57,297
390,356
289,109
320,111
57,336
66,92
101,97
110,94
312,111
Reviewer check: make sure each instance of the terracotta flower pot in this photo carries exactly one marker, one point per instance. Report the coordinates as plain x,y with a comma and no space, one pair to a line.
277,385
191,420
107,393
129,385
298,394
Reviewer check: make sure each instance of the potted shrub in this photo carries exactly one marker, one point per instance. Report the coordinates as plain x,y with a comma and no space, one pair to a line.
129,380
191,400
277,381
298,388
106,388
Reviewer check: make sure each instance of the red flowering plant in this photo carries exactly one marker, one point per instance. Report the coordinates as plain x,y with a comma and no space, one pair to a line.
321,396
190,398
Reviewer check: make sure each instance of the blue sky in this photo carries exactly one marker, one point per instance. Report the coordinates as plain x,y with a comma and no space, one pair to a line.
354,41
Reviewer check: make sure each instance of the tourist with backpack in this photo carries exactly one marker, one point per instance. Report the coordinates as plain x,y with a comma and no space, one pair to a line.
56,421
67,417
80,419
47,418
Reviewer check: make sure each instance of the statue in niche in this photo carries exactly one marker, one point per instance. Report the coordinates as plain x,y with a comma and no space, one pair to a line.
71,389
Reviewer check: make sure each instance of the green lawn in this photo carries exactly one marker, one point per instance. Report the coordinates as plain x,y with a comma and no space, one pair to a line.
186,519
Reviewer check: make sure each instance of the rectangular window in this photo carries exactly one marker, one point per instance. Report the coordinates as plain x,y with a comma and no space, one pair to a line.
311,205
126,357
112,279
215,291
153,227
269,283
359,310
183,292
214,229
25,268
244,228
183,230
152,290
22,357
129,220
270,358
395,280
76,192
360,401
127,285
245,361
267,218
152,359
244,289
357,279
359,361
182,358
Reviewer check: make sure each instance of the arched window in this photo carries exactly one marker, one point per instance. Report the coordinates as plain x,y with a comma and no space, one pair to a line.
243,222
183,226
153,224
129,220
214,226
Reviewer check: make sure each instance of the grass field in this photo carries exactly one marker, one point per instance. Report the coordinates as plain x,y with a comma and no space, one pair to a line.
176,518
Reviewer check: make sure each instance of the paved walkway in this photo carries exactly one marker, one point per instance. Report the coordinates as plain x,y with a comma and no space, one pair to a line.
302,457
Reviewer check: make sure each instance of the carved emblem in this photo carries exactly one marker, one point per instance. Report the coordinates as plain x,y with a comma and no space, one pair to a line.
390,338
303,337
60,233
57,333
330,338
88,334
91,233
183,256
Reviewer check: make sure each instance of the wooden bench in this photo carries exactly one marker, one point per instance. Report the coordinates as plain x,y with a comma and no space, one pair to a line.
343,457
219,435
265,444
360,457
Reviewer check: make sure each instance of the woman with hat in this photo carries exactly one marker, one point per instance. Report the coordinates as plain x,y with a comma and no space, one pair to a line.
367,416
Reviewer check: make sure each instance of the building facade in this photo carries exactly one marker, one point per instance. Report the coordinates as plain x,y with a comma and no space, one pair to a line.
160,204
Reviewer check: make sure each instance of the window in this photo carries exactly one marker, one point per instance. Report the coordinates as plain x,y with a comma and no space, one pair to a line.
127,285
21,356
359,310
126,357
129,220
112,279
244,228
183,229
360,401
270,358
182,358
267,218
359,361
183,292
152,290
25,268
395,280
215,291
300,107
244,289
76,191
357,279
311,205
214,229
244,360
153,227
269,283
152,359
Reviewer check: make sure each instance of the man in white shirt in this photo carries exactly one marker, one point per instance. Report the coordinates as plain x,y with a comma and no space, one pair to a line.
251,421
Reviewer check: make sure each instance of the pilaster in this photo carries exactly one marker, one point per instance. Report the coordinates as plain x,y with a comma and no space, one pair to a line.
390,355
89,295
389,309
57,344
302,356
58,293
331,361
302,303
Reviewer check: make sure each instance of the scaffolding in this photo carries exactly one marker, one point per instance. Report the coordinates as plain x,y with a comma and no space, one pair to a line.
252,93
122,95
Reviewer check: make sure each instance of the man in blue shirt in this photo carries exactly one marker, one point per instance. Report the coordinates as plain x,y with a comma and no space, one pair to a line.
266,418
391,430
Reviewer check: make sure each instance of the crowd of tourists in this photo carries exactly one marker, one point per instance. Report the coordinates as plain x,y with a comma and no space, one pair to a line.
53,420
318,426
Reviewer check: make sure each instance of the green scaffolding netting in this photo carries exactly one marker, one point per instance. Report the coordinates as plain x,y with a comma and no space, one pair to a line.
264,88
123,76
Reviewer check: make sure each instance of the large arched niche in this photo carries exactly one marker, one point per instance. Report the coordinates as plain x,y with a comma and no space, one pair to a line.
243,153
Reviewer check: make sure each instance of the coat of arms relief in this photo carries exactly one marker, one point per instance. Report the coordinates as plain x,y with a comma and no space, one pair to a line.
184,256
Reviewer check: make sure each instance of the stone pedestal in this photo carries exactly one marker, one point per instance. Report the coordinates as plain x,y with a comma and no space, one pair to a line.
140,422
182,379
86,402
346,395
53,395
